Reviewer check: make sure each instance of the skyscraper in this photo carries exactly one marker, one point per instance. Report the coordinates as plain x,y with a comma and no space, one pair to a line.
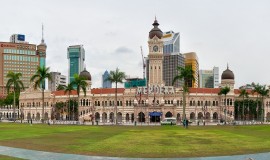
172,58
192,60
171,42
57,79
41,51
170,64
105,83
20,57
76,57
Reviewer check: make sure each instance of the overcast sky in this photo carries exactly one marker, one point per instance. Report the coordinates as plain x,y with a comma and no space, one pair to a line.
112,31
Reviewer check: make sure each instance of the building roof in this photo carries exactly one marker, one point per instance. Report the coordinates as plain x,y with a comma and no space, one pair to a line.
61,93
204,90
85,74
107,90
249,91
227,74
155,31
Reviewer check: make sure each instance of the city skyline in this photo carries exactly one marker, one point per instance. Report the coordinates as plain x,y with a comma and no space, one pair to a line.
220,33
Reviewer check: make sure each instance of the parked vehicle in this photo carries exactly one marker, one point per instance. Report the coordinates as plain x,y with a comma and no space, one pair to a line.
168,121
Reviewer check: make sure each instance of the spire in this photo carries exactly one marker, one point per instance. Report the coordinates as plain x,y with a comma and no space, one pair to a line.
155,24
227,65
42,40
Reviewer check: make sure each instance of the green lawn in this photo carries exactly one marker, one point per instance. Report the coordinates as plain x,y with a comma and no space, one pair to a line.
2,157
140,141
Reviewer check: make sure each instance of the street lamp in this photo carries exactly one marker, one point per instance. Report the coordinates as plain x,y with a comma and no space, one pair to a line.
204,108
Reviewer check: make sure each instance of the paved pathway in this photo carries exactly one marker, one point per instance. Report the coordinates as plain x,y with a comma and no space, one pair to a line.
33,155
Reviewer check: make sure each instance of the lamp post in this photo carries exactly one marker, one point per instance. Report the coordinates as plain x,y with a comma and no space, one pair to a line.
204,108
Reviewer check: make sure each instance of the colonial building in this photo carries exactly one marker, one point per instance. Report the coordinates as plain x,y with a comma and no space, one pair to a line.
148,104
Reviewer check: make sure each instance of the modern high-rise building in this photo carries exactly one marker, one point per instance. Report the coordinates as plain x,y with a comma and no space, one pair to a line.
76,57
19,57
41,51
170,64
192,60
56,80
209,78
216,77
135,82
17,38
105,82
171,42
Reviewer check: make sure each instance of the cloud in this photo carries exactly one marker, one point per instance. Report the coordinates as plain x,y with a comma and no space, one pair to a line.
123,50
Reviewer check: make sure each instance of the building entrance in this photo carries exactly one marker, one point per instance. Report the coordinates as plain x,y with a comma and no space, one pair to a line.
155,116
155,119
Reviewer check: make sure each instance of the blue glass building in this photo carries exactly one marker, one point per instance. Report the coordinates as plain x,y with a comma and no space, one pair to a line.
76,57
105,83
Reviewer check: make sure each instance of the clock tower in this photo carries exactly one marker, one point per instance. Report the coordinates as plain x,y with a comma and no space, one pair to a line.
155,56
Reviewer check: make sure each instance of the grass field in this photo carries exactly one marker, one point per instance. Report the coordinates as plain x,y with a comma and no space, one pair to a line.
140,141
2,157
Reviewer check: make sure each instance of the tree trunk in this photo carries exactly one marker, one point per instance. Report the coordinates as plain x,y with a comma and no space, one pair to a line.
243,110
116,103
69,106
262,109
78,105
43,118
184,105
225,110
14,106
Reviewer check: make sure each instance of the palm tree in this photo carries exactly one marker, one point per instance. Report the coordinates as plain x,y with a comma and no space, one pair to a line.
116,77
80,83
39,78
257,89
243,93
184,73
60,87
225,90
14,80
264,93
68,90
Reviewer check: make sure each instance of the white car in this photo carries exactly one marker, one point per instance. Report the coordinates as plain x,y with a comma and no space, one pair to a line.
168,121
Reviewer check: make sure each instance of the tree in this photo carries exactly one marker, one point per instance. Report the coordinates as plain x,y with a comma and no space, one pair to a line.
225,90
116,77
264,93
14,80
184,73
257,89
61,87
80,83
244,94
68,89
39,78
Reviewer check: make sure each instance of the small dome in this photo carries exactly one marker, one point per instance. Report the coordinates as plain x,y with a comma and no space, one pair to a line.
86,74
155,31
227,74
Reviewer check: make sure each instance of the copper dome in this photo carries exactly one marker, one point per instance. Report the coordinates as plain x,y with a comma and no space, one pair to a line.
86,74
227,74
155,31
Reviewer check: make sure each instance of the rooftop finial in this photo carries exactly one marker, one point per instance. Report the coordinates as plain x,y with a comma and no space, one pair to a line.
227,65
42,40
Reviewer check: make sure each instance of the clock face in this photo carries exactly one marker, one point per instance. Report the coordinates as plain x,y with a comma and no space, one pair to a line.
155,48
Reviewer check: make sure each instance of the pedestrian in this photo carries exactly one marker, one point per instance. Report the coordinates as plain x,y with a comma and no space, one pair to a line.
186,123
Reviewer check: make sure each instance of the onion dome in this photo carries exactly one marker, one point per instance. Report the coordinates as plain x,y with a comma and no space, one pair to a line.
227,74
155,31
86,74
